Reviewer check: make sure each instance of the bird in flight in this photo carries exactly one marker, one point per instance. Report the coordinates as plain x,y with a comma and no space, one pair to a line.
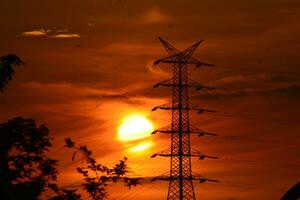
78,45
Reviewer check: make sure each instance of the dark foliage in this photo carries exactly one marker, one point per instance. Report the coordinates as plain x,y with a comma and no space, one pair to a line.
97,176
293,193
7,64
64,194
26,170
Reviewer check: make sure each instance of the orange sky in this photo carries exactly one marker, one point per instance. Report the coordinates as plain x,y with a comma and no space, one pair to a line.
84,92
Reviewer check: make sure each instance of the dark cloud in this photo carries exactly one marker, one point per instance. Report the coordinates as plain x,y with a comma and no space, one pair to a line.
134,100
34,93
289,91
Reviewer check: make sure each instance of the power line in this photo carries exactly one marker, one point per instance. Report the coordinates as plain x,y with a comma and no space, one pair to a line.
253,139
248,186
284,164
260,163
254,116
262,46
153,172
291,73
264,162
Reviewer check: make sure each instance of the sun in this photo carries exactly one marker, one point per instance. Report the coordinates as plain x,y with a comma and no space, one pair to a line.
134,127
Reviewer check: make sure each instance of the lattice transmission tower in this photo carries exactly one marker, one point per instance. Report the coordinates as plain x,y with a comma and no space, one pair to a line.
180,153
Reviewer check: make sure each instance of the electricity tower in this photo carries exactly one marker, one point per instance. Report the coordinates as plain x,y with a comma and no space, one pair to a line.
180,153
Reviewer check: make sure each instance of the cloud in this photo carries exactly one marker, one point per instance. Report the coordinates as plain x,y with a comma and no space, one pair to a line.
291,91
155,69
65,35
40,32
232,79
154,15
257,80
126,98
62,30
128,48
67,93
59,33
232,86
254,85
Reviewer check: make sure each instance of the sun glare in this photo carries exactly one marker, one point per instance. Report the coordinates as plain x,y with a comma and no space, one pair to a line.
140,147
134,127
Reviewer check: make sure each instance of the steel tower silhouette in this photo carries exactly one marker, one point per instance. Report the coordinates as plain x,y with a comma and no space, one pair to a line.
180,153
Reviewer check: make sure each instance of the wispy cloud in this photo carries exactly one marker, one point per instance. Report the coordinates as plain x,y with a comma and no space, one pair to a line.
155,69
154,15
59,33
70,93
40,32
62,30
291,91
65,35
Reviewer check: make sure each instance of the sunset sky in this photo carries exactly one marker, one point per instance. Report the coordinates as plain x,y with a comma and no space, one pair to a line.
89,67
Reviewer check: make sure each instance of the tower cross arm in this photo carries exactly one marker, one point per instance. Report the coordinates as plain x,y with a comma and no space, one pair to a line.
192,129
198,86
169,48
190,83
197,63
200,109
197,178
185,56
200,155
169,59
191,107
176,58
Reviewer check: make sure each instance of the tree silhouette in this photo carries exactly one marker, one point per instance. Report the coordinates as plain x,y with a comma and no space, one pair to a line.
7,64
97,176
293,193
64,194
26,170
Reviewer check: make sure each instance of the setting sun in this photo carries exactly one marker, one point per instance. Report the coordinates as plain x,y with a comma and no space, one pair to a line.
134,127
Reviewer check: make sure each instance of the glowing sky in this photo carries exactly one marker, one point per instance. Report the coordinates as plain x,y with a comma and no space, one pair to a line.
89,65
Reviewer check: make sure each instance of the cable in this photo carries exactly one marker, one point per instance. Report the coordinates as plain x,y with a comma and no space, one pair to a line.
258,70
256,162
248,186
262,163
253,45
152,186
136,192
82,116
153,172
253,116
252,139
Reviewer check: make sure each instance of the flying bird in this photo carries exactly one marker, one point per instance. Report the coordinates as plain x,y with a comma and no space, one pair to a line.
78,45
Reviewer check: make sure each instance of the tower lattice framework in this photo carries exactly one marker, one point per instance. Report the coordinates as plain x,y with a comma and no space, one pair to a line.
180,153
